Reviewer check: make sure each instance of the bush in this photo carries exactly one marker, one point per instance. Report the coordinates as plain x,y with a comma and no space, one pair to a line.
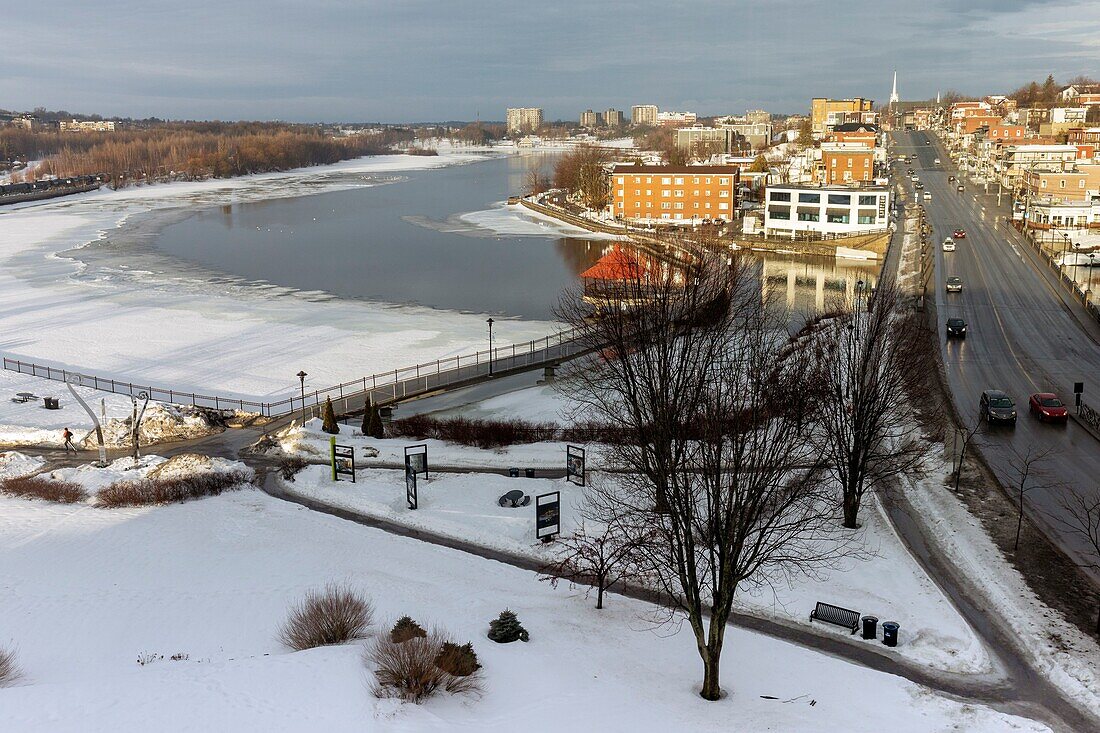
411,670
406,629
334,615
40,487
506,628
146,491
290,466
329,424
9,670
460,661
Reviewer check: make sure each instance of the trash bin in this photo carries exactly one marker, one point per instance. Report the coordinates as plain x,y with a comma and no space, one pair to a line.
50,403
529,472
513,473
870,627
890,633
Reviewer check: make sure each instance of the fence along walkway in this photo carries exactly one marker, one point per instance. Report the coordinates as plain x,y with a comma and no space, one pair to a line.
385,388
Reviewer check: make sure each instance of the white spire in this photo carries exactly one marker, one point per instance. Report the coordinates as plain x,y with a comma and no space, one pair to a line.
894,99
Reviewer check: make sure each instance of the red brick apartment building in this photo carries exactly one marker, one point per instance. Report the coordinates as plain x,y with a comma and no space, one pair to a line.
674,193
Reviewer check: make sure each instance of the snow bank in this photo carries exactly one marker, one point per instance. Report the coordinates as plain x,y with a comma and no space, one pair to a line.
14,464
92,478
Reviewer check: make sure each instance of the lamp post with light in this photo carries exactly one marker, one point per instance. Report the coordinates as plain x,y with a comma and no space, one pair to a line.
490,322
302,378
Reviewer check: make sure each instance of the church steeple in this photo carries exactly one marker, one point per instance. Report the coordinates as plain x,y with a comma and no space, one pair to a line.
894,99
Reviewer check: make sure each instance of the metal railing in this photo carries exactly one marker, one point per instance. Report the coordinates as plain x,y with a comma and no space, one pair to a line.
383,388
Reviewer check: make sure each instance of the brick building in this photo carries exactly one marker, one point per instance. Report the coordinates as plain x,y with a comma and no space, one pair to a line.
845,163
674,193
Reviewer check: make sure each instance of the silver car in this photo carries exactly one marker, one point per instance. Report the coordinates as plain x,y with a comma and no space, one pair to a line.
954,284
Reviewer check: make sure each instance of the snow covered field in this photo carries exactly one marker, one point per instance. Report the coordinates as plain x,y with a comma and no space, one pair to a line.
86,593
886,582
194,335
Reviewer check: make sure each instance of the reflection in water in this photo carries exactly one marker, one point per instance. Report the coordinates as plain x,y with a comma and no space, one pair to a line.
809,284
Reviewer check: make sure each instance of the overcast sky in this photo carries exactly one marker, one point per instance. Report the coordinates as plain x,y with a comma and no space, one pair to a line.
412,60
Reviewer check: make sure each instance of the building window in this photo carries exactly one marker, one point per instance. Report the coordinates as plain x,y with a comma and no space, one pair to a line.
779,196
849,162
837,218
783,213
679,193
649,192
868,200
809,216
621,180
708,180
679,181
637,179
679,205
666,181
723,194
695,180
866,219
723,181
833,162
666,205
665,193
840,199
809,198
1062,183
697,204
723,207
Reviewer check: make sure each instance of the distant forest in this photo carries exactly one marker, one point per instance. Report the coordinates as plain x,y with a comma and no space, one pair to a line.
188,150
1045,93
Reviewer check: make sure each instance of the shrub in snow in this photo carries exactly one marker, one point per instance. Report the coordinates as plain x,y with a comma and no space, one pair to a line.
160,490
9,670
406,629
40,487
334,615
329,424
412,670
506,628
460,661
289,467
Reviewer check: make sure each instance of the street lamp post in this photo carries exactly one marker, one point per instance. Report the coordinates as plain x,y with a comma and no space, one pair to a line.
1092,262
1076,261
490,322
1065,247
302,378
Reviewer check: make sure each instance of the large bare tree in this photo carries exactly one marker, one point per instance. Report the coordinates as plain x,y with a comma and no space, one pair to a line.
720,477
867,357
1081,517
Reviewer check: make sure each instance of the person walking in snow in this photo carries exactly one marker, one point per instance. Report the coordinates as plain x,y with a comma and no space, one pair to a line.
69,441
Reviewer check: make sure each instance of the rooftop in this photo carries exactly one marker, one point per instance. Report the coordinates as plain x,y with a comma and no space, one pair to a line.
693,169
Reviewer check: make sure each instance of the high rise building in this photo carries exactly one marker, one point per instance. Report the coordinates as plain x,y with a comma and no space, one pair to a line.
590,119
523,119
613,117
644,114
758,117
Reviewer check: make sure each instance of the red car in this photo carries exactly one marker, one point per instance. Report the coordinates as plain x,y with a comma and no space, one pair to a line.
1047,406
960,234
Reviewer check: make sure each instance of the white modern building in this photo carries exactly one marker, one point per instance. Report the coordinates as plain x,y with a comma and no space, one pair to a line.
825,212
644,114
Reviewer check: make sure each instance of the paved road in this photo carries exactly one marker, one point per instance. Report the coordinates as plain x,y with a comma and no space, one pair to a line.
1022,337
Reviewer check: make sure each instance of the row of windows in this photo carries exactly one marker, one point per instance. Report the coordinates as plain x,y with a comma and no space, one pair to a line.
1062,183
866,162
666,205
667,181
677,193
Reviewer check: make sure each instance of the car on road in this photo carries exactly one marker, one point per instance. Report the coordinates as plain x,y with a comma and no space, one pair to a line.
1047,407
960,234
936,161
927,195
949,245
951,179
919,185
954,284
959,188
997,407
956,328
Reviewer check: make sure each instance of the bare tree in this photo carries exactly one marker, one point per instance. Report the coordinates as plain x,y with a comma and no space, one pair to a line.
1029,475
536,181
866,359
581,172
600,557
720,477
1081,516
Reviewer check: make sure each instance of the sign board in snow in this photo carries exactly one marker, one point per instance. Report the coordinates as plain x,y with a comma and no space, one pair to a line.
410,487
574,465
548,515
342,458
416,458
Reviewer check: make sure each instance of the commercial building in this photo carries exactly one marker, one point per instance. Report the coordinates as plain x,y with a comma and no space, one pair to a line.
613,117
705,140
756,134
825,213
87,126
523,119
674,193
644,114
676,119
590,119
845,163
826,113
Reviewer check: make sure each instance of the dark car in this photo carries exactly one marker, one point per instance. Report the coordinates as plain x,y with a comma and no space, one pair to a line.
1047,406
997,407
956,328
960,234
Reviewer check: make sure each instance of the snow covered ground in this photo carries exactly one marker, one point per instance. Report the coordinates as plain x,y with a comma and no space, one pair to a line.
86,593
194,335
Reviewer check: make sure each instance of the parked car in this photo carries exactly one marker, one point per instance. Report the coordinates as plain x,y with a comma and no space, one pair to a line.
954,284
997,407
959,188
927,195
949,245
960,234
1047,407
956,328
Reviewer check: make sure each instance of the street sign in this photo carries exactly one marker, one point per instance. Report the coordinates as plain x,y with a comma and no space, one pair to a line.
410,488
342,458
1078,387
548,515
574,465
416,458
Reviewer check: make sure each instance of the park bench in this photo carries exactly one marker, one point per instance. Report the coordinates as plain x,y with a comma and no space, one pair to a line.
831,614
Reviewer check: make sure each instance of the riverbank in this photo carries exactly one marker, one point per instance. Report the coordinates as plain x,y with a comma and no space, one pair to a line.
121,320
